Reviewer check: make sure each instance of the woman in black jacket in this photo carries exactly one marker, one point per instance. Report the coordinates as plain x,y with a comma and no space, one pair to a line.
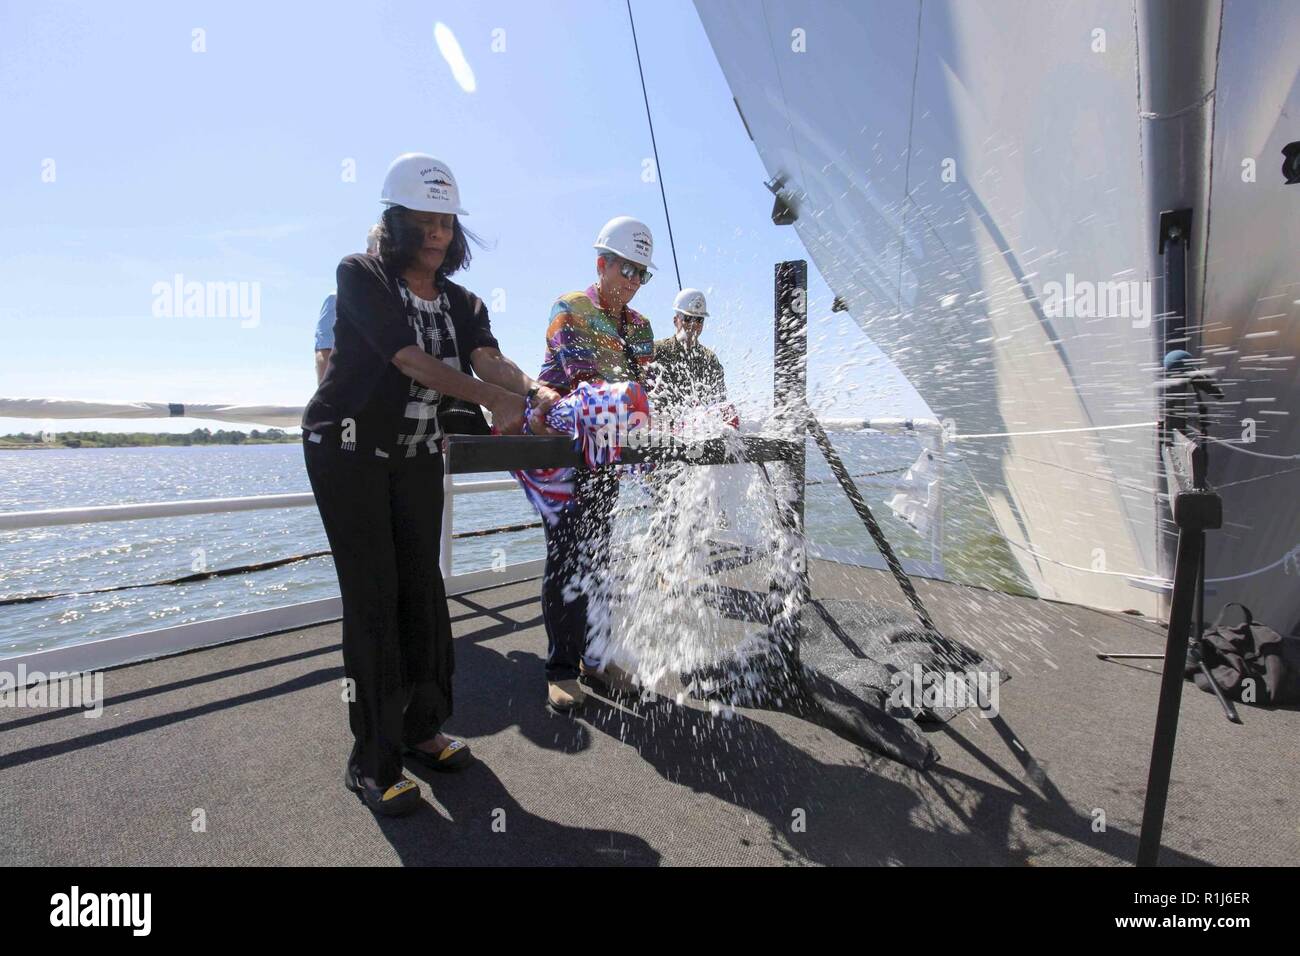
407,341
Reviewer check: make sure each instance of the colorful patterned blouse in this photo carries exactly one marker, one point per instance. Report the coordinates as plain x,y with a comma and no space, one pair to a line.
583,344
600,418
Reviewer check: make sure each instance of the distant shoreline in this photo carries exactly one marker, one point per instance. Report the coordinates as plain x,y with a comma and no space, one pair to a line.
57,446
200,437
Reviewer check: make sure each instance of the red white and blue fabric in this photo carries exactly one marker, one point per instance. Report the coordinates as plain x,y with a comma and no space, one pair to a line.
599,416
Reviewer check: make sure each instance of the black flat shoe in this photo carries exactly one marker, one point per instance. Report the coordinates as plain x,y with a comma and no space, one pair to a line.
455,756
395,801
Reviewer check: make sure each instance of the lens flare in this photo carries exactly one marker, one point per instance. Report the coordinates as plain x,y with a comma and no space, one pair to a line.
450,49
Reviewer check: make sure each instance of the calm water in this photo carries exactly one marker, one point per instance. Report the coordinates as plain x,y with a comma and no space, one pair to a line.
84,557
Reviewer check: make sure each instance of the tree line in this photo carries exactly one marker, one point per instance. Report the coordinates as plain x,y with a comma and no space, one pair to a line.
94,439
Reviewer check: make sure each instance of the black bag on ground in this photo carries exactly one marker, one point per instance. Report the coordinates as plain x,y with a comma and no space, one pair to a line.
1251,663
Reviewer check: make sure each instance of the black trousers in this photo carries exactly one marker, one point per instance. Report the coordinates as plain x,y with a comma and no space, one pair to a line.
383,518
576,550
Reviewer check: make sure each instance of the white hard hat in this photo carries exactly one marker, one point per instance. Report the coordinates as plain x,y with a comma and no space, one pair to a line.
628,238
420,182
691,302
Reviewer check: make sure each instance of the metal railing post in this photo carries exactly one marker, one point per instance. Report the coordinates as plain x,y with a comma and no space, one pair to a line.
1182,484
790,400
448,519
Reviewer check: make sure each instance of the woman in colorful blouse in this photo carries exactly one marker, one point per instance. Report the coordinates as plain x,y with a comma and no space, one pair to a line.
593,336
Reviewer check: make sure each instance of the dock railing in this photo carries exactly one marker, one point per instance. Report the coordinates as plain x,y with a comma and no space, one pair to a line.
468,455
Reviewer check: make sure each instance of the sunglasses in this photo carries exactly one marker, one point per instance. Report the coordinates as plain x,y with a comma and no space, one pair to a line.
630,270
691,319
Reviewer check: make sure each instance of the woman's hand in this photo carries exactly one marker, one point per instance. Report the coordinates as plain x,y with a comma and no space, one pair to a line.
545,398
507,413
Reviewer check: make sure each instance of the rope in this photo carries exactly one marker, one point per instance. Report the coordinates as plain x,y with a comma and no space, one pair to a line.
866,474
247,568
1235,446
653,145
241,569
956,656
187,579
1291,557
1055,431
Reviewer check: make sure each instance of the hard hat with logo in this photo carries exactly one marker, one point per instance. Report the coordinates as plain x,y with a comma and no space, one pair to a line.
627,238
691,302
420,182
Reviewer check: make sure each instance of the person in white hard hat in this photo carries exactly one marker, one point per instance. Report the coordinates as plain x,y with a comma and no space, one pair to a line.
690,392
325,324
687,374
406,339
592,336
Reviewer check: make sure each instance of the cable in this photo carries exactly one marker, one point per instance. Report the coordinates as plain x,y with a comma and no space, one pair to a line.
659,174
187,579
1291,557
1235,446
865,474
242,569
500,529
1054,431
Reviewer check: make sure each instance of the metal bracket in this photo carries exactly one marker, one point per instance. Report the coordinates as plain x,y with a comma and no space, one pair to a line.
1176,226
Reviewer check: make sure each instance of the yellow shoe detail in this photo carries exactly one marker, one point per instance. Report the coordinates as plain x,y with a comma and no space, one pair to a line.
397,789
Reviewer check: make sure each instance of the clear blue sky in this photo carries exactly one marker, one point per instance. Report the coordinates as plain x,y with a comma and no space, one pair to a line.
227,166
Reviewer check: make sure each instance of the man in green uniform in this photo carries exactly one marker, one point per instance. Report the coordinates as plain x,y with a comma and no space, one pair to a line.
688,388
685,373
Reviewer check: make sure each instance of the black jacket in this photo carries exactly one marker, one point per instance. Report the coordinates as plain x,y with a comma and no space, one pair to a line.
361,382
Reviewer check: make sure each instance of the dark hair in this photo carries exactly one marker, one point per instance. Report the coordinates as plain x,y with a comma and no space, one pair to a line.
400,240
